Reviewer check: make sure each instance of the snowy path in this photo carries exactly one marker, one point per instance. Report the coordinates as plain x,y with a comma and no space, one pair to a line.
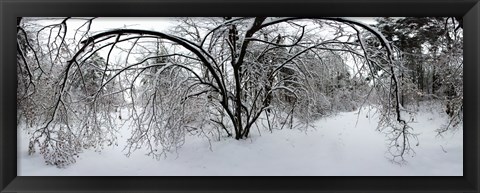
336,148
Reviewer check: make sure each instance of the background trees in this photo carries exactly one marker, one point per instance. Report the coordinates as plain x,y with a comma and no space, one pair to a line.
217,77
431,50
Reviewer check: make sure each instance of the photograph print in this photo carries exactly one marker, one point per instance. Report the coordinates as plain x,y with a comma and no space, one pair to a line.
240,96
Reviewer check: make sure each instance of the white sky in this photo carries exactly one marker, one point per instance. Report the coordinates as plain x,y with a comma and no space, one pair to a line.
157,23
162,24
148,23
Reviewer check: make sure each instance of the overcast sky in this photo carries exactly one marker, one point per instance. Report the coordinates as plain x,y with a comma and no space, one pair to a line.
162,24
159,23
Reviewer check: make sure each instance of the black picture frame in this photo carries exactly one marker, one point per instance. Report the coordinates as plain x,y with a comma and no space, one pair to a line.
10,9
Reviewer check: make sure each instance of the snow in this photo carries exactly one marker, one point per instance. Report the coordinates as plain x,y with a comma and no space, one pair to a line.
340,145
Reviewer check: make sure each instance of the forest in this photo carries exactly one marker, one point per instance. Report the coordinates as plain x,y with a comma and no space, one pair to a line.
225,78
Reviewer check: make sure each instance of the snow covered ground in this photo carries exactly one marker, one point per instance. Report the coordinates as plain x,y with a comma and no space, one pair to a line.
339,146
